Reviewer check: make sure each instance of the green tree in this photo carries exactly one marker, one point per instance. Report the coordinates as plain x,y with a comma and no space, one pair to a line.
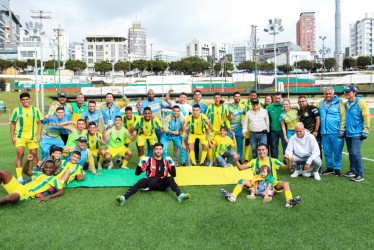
31,62
330,63
20,65
305,64
200,66
349,62
4,64
157,66
363,61
228,67
285,68
316,67
102,67
193,59
122,66
52,64
140,64
266,66
246,65
2,84
75,65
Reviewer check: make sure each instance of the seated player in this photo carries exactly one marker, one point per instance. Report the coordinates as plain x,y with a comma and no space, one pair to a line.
56,157
157,169
222,143
117,137
146,131
200,127
262,184
95,142
255,165
77,132
175,132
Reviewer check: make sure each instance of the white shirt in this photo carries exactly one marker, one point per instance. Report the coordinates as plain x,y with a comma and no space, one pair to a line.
303,147
257,121
186,109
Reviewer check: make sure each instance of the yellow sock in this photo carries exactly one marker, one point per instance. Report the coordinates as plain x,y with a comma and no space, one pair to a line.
124,162
288,195
210,151
19,172
192,156
101,159
237,190
246,153
141,157
203,156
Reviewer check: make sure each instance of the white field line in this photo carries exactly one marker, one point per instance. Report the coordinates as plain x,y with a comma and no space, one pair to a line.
368,159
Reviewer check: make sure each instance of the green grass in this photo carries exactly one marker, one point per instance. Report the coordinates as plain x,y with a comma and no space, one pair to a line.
335,213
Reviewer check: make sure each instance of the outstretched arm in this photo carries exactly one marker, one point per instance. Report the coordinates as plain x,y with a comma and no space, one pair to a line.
59,193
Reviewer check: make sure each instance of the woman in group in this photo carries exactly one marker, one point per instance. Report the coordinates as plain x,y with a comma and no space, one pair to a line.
288,118
269,99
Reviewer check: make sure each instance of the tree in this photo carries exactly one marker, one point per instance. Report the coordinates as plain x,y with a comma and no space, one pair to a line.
4,64
102,67
31,62
363,61
200,66
75,65
330,63
20,64
266,66
122,66
316,67
285,68
246,65
305,64
157,66
2,84
193,59
349,62
52,64
228,67
140,64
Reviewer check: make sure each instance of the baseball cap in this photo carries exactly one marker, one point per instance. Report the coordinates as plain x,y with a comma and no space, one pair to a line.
82,139
350,88
62,94
255,101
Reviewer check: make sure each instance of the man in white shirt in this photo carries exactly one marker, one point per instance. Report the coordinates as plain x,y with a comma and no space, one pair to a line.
258,121
303,149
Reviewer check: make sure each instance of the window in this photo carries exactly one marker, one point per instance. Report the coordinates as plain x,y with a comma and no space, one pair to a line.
90,46
90,53
99,48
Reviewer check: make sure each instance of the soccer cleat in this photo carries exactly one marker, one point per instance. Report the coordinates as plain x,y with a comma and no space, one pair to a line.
121,200
306,174
231,198
20,180
40,195
118,162
224,193
349,174
337,172
296,173
183,165
328,171
124,167
357,178
99,166
110,165
210,164
230,165
316,176
293,201
182,197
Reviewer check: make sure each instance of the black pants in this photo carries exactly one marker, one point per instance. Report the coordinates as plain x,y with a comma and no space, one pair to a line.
197,149
64,137
154,183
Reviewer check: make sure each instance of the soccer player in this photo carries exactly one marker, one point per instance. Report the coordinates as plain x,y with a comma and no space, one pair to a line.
255,165
357,129
64,133
117,137
157,169
56,157
95,141
128,121
146,131
77,132
111,109
78,107
25,130
222,143
200,127
174,128
93,114
235,116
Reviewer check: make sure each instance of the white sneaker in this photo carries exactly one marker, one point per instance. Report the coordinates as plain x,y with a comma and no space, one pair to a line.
231,198
230,165
296,173
124,167
316,176
99,166
210,164
306,174
110,165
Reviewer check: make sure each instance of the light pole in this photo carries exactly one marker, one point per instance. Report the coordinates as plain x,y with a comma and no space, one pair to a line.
58,30
296,71
323,52
274,28
255,56
151,58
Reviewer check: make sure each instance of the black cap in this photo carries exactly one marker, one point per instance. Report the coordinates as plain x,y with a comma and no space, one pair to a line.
62,94
350,88
82,139
255,101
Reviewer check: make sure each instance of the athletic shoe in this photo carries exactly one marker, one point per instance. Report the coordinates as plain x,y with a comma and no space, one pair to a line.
328,171
293,202
20,180
306,174
296,173
124,167
251,197
232,198
183,165
110,165
245,162
230,165
182,197
40,195
349,174
316,176
210,164
224,193
337,172
99,166
118,162
121,200
206,163
268,199
147,189
357,178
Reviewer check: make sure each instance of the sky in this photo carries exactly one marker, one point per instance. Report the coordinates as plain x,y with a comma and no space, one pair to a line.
171,24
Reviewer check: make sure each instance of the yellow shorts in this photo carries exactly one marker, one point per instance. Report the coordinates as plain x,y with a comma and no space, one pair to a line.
248,135
143,138
121,151
14,186
192,138
22,142
94,151
276,183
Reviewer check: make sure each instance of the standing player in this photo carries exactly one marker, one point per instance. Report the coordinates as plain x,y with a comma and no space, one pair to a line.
128,120
93,114
112,109
78,108
25,130
236,113
157,169
94,143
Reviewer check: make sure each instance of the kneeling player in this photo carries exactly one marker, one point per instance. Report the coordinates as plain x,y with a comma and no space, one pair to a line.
157,170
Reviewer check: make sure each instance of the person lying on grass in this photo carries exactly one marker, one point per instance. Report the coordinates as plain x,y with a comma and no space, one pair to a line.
42,181
157,170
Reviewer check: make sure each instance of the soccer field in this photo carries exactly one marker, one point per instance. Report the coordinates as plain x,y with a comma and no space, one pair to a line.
335,213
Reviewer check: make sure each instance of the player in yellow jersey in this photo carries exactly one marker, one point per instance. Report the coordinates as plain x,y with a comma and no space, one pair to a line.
146,128
222,143
95,141
199,126
25,130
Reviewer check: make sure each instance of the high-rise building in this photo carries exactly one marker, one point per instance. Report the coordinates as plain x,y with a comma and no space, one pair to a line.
167,56
305,36
104,48
203,48
240,53
60,45
137,41
76,51
361,38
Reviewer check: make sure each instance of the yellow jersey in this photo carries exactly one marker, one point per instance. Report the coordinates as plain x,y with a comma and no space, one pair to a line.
198,126
26,122
222,144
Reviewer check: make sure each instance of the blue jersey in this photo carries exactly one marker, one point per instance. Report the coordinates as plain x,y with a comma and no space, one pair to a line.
332,116
110,113
53,129
68,113
156,105
203,107
95,117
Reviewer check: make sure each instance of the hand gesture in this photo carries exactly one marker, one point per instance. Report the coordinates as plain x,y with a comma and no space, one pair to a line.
232,133
231,111
30,157
184,146
307,166
43,199
171,90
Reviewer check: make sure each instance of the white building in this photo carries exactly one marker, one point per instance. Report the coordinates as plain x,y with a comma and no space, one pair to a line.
104,48
361,36
137,40
240,53
167,56
60,45
76,51
290,57
26,48
203,48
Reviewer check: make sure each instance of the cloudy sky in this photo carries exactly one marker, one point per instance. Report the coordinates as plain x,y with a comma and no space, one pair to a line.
171,24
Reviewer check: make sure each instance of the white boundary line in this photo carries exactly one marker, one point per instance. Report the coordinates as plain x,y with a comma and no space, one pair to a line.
368,159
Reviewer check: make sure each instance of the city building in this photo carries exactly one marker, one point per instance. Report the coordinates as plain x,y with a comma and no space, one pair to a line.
27,47
137,39
104,48
305,35
291,56
240,53
266,51
167,56
361,38
76,51
203,48
60,45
